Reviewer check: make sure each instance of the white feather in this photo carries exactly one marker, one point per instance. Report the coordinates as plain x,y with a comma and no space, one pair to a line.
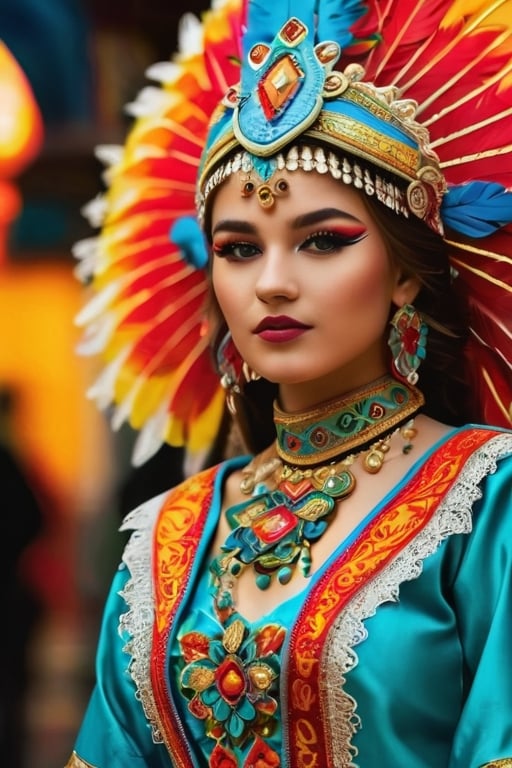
86,253
163,72
190,35
85,248
98,304
122,412
148,101
109,154
95,210
102,391
150,437
96,336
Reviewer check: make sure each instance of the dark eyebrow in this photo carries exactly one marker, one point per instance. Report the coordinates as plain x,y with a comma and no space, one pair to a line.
235,225
305,220
313,217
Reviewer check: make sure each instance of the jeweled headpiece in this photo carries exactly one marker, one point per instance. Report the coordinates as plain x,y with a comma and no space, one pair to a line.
289,92
413,103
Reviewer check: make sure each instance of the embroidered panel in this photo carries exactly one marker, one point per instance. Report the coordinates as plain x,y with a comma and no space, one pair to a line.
178,530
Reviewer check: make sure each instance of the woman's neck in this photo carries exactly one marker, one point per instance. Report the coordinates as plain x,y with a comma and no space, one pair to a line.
307,395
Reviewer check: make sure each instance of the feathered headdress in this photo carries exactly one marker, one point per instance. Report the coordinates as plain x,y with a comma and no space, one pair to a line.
441,69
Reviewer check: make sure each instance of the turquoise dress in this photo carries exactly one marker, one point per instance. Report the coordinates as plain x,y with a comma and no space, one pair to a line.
397,655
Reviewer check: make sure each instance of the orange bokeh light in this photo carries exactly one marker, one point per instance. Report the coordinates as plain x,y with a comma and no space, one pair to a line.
21,123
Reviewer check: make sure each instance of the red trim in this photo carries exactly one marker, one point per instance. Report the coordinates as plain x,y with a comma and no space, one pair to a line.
378,544
180,526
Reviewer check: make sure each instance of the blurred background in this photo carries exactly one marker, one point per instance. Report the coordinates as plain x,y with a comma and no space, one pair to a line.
67,69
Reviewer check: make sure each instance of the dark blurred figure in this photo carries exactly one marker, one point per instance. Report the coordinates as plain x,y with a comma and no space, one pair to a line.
159,473
22,521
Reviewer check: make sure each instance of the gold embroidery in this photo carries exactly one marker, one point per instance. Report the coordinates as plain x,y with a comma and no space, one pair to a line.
175,535
77,762
505,762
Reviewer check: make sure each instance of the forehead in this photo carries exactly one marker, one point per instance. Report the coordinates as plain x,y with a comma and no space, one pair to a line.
303,191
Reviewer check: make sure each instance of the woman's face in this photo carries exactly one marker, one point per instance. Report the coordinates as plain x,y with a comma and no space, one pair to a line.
305,287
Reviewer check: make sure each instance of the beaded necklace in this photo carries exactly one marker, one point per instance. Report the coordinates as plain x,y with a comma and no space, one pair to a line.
295,486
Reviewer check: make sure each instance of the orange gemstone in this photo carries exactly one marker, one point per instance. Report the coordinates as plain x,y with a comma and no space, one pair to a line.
293,30
279,85
258,53
230,680
232,683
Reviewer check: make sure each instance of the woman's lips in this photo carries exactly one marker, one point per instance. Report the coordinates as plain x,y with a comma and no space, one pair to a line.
280,329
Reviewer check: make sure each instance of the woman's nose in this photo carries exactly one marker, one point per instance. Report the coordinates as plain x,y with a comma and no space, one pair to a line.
277,279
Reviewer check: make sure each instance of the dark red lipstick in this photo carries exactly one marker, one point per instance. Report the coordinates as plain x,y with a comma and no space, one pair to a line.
280,328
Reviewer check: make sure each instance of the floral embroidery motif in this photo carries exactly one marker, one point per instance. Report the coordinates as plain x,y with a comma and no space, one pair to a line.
230,681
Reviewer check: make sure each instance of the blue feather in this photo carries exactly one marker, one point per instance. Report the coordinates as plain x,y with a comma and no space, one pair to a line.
266,17
477,208
336,18
188,236
325,20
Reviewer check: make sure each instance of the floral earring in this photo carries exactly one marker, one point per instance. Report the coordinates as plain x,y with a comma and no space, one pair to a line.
408,341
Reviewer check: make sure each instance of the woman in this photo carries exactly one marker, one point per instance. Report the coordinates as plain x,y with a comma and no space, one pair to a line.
341,596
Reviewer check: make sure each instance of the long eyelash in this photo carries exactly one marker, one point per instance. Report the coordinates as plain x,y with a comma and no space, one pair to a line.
227,249
340,235
224,249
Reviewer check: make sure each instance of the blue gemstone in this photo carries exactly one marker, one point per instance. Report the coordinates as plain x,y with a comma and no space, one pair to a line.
262,580
284,575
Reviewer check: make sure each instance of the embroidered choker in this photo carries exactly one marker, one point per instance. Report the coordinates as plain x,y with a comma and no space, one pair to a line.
296,484
346,424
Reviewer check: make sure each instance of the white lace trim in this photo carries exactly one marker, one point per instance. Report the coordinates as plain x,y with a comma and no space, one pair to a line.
138,621
453,516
